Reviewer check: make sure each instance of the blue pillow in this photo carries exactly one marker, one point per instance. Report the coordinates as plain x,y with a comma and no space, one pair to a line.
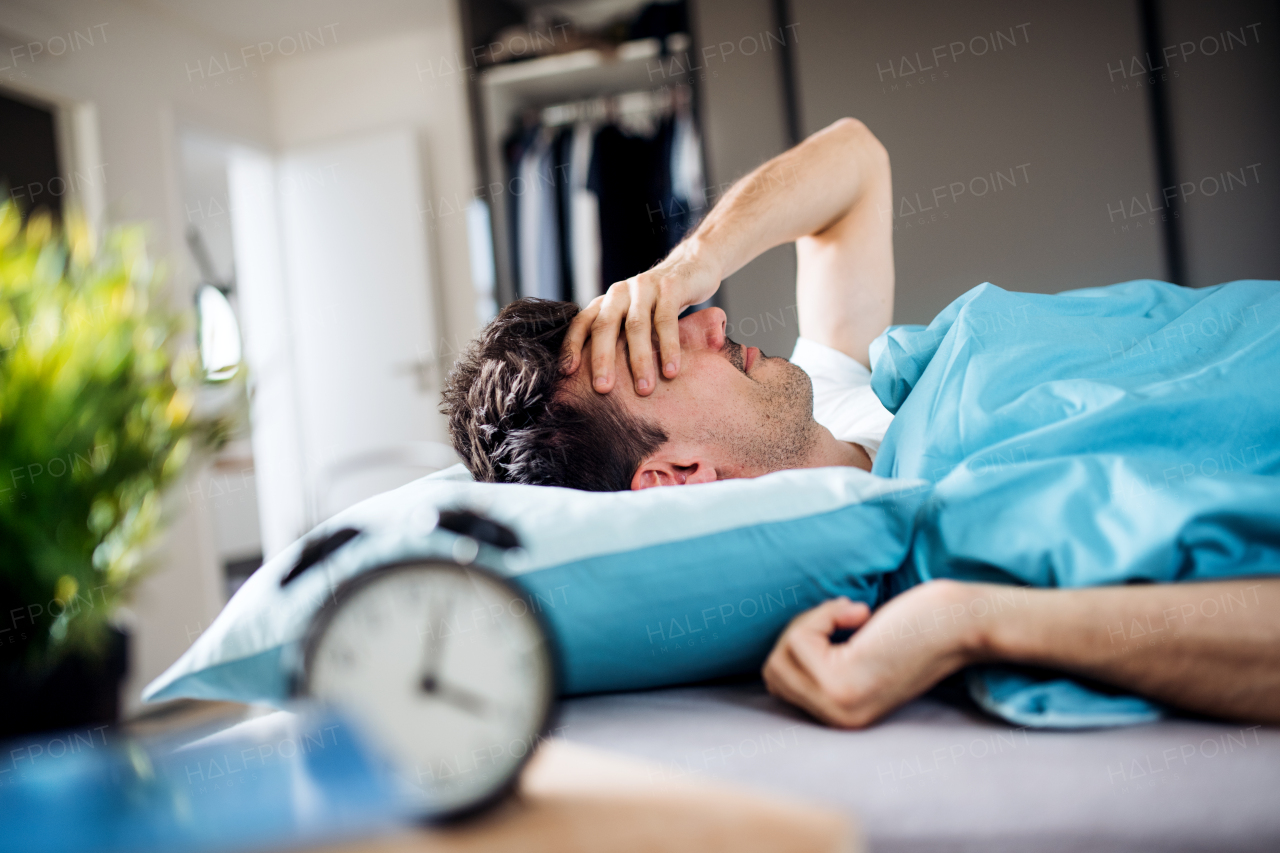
640,589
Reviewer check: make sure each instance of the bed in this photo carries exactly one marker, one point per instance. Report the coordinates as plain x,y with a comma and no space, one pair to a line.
937,776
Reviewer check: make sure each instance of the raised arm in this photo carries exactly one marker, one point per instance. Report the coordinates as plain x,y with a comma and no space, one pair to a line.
829,194
1211,647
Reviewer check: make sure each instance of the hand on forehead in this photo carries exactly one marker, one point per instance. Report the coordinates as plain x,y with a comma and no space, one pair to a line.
581,378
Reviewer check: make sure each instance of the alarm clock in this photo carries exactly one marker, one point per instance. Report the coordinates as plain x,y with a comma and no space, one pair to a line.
444,665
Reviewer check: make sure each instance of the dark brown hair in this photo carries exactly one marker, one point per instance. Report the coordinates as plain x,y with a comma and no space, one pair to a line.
512,421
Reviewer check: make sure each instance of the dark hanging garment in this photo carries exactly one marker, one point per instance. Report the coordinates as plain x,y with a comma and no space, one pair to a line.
539,243
584,220
632,233
688,186
659,20
513,153
562,151
675,211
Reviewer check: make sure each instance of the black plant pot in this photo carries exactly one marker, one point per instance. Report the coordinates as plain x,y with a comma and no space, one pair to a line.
77,692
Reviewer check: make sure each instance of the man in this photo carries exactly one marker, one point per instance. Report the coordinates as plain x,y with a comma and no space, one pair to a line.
541,397
722,410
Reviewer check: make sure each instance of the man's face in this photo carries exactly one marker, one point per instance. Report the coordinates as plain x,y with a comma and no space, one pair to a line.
731,411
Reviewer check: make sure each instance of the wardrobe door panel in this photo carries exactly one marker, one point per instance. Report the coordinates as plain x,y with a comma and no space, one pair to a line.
743,119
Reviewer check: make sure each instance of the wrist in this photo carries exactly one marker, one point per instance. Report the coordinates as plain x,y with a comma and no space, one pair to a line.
707,252
979,612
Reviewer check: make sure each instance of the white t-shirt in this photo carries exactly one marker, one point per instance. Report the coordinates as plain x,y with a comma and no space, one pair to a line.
843,401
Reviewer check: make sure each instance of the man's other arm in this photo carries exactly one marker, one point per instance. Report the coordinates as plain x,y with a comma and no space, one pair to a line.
844,272
1211,647
830,194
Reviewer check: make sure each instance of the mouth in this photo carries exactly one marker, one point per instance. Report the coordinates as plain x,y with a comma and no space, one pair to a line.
749,358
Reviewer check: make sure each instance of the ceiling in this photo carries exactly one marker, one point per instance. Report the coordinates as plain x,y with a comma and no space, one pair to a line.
244,22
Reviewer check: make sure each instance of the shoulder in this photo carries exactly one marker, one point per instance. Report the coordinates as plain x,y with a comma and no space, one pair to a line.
828,366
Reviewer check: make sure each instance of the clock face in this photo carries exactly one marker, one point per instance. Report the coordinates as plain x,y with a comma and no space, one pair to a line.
447,671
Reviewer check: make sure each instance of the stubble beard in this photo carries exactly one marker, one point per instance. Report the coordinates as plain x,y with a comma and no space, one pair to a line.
785,434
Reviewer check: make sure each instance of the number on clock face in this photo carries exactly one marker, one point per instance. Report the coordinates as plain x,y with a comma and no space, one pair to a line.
445,669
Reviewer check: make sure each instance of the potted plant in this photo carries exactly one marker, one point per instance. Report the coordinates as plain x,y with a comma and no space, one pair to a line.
96,420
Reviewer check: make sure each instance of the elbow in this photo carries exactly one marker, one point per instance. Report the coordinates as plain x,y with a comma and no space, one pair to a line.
860,138
849,126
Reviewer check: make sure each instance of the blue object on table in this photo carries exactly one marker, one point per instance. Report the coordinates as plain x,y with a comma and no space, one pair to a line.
86,792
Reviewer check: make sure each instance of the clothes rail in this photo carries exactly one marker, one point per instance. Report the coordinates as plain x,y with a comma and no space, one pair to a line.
604,107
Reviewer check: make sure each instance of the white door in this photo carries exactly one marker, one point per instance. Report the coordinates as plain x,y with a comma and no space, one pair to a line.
360,321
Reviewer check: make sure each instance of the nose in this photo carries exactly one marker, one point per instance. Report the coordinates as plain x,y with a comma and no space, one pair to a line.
703,330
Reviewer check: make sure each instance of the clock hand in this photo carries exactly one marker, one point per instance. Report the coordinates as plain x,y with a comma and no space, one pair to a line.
462,698
433,649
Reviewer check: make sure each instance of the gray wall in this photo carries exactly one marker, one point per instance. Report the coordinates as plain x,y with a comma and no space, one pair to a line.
1225,115
1057,115
1039,110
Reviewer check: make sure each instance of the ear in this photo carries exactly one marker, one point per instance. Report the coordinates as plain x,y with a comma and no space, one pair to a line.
654,472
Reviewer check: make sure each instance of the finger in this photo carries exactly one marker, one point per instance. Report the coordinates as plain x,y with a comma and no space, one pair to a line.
833,689
782,684
666,321
604,336
640,334
784,678
819,670
579,328
792,683
831,615
811,645
817,657
790,669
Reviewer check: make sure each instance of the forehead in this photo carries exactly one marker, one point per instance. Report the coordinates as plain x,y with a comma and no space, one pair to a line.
706,379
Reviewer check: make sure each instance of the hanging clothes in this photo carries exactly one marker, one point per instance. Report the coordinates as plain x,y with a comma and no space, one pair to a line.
562,150
673,215
539,240
514,150
602,191
623,177
688,184
584,217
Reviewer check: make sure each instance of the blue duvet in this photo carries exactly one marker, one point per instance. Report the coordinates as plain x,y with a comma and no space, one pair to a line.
1100,436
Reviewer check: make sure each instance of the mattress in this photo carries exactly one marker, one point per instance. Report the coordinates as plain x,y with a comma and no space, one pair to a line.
938,776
